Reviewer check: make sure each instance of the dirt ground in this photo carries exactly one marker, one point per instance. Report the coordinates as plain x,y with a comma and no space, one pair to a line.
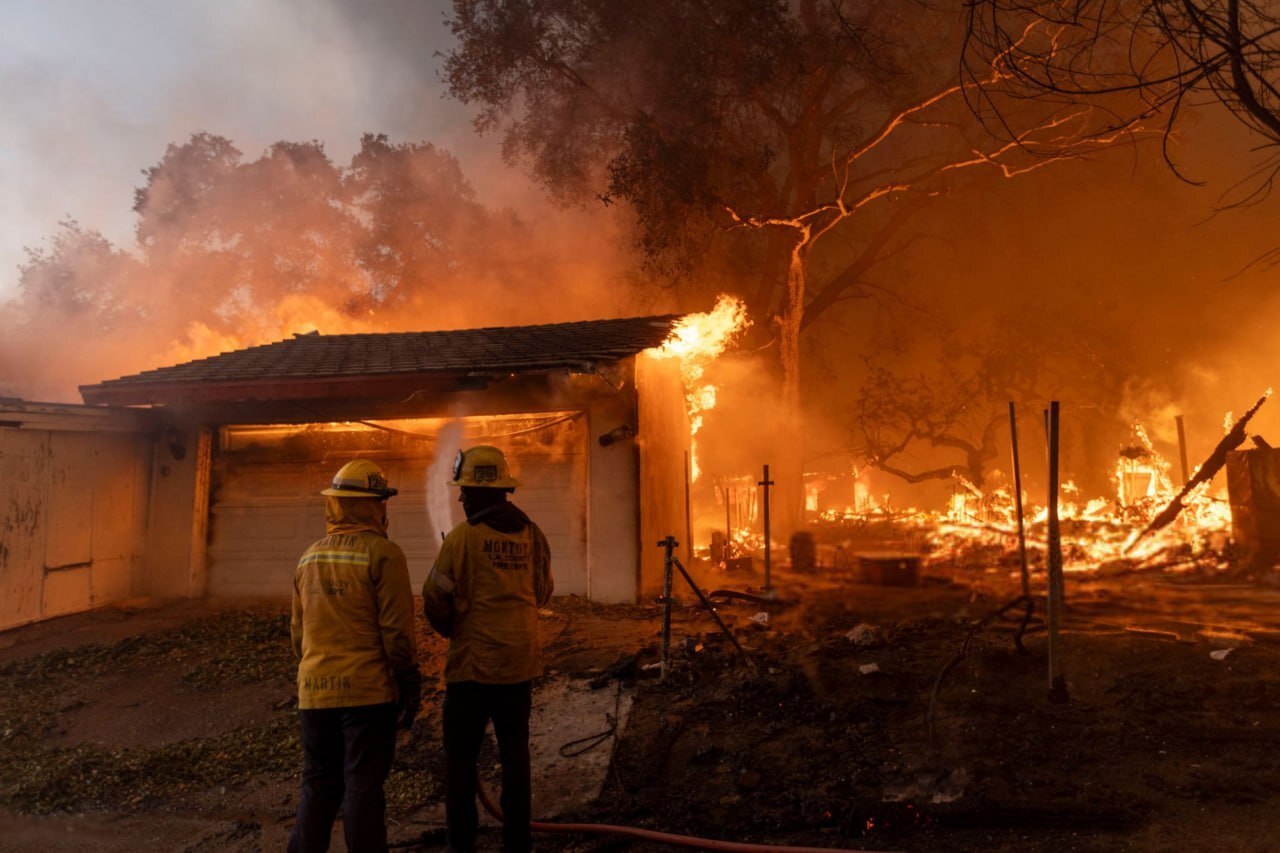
174,728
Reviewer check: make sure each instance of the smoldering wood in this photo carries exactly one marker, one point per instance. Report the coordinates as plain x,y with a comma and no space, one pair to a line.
1182,448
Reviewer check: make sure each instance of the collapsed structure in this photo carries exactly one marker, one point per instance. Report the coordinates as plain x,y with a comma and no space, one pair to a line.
201,478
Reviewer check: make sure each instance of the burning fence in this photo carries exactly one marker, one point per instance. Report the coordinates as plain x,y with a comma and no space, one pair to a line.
1149,522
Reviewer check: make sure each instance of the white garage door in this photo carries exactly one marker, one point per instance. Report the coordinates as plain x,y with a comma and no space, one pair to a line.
265,508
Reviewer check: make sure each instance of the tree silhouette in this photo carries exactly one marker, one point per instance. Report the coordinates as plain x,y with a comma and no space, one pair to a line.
817,127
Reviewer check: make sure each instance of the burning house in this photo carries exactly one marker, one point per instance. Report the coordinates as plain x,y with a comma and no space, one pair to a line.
201,478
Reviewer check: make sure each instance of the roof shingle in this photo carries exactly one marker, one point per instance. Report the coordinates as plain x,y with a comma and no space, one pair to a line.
462,352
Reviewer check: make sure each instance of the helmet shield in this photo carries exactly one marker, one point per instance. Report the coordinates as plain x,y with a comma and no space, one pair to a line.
483,466
360,479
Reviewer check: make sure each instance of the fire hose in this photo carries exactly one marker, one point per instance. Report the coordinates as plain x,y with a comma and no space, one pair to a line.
654,835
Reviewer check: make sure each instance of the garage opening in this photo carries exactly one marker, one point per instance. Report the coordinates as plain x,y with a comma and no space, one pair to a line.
265,506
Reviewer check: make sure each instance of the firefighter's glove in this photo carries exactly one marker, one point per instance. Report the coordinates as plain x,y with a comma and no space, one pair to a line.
410,684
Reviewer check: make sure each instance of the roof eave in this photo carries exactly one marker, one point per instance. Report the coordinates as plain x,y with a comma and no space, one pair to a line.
310,387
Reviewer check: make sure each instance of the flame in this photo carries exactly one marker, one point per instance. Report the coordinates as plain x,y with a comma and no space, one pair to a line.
697,340
294,314
979,524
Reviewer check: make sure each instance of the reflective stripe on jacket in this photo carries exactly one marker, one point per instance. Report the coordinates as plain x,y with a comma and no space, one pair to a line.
483,593
352,623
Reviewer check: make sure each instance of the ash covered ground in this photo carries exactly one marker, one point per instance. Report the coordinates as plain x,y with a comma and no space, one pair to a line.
174,728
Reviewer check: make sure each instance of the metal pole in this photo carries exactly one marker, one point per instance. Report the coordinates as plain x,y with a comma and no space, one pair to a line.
669,543
1057,681
1182,449
1017,502
728,530
766,483
688,506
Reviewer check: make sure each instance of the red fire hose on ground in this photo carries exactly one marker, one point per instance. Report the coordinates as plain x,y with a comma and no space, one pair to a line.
660,837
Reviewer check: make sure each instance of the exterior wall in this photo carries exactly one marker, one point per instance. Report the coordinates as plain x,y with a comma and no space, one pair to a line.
174,566
99,505
266,507
613,512
73,509
664,444
612,509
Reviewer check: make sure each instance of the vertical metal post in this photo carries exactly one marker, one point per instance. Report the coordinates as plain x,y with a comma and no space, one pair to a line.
1182,449
669,544
1057,681
1017,501
688,506
766,483
728,530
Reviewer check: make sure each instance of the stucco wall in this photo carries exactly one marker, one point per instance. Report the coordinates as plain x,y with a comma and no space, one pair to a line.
89,515
663,442
612,509
174,564
73,512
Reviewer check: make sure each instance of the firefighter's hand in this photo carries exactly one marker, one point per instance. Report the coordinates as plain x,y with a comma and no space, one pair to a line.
410,684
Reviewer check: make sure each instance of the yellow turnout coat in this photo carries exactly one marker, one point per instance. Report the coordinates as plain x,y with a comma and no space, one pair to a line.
352,623
483,593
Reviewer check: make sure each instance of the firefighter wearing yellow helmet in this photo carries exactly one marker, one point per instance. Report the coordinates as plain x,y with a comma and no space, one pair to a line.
353,634
483,593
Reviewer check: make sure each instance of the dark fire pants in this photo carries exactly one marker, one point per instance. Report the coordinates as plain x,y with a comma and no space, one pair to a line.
347,754
468,707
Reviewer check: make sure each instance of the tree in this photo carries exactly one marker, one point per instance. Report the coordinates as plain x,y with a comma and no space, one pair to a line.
393,230
228,239
950,417
818,126
232,252
1138,59
895,412
77,288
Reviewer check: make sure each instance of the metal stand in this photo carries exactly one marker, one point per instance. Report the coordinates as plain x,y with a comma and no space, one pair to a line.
670,544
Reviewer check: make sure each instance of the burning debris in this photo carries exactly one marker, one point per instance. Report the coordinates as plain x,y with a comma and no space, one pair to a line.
1218,458
1147,523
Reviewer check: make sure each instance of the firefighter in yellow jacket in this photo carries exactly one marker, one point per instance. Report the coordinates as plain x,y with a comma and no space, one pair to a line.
483,593
352,631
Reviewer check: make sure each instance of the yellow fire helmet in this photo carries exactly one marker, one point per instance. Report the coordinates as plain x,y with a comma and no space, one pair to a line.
483,466
360,478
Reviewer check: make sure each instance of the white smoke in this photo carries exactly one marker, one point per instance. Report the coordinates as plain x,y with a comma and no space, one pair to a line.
443,509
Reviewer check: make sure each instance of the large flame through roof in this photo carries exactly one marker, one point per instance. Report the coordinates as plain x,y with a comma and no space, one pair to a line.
696,340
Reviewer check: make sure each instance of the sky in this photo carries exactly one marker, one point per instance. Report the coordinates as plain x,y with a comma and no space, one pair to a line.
92,92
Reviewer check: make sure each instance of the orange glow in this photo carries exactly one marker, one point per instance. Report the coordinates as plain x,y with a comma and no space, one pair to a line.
1096,534
697,340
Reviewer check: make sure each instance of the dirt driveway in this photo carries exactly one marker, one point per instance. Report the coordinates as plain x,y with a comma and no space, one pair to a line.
174,728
